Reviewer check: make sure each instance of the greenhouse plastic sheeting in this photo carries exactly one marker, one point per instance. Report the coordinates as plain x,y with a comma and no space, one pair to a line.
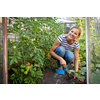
95,49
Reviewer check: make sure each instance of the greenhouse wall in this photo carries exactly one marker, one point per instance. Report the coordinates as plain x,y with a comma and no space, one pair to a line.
95,49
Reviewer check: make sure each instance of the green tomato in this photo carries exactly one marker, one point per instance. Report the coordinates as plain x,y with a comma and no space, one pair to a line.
27,68
26,72
14,47
33,39
22,66
22,70
27,44
21,23
12,41
23,35
28,38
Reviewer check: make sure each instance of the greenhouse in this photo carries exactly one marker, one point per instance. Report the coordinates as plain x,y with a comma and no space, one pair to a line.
25,44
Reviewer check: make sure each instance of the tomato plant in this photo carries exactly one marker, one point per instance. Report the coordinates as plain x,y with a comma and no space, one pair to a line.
34,37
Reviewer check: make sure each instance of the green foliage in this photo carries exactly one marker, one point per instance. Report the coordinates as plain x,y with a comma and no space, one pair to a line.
25,74
95,48
82,42
83,63
95,78
95,51
34,37
80,72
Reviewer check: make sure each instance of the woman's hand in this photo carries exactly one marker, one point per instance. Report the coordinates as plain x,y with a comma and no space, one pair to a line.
63,62
76,76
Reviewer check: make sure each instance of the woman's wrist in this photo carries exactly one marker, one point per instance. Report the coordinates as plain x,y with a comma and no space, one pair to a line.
76,68
60,58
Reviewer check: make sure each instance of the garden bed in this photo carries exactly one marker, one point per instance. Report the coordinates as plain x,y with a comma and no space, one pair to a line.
51,77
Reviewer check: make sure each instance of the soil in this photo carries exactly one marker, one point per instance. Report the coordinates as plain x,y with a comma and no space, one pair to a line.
51,77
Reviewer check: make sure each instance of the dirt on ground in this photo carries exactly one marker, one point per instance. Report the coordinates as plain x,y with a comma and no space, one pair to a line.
51,77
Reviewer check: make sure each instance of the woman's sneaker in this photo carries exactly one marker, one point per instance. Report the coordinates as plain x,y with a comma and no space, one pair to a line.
60,71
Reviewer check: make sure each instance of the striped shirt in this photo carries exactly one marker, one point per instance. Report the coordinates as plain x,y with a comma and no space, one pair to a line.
63,42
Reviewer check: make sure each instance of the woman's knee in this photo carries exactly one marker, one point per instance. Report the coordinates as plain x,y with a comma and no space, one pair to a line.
69,56
60,51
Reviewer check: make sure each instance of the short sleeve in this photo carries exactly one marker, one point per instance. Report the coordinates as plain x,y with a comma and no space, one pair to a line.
76,44
60,38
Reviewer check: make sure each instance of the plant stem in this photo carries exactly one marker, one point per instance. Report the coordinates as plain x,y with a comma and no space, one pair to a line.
23,55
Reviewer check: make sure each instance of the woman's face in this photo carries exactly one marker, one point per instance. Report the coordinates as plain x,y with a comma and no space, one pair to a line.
73,34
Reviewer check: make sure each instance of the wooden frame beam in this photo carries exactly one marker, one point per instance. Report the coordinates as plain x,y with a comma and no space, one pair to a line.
5,54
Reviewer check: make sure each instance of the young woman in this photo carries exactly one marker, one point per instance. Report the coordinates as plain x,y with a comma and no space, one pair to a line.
61,50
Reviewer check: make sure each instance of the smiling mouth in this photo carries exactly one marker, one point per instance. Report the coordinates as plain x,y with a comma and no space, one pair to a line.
70,36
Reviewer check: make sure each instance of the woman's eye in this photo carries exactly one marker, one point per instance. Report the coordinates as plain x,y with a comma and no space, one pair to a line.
75,33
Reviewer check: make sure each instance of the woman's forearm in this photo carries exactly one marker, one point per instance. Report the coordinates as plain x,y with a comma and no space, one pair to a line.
76,53
55,55
76,64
